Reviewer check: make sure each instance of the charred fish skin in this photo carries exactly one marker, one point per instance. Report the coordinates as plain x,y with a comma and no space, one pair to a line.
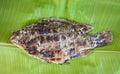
55,40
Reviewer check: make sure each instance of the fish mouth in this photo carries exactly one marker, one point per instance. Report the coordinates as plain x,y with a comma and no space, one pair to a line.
15,42
11,39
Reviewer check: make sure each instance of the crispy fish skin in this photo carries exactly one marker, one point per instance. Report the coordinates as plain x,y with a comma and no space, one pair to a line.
56,40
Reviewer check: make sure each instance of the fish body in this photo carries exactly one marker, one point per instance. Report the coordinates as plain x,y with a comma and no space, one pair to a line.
55,40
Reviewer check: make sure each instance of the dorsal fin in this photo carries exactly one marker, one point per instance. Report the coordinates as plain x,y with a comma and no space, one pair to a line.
82,27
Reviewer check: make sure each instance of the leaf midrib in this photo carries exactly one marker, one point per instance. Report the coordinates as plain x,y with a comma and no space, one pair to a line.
95,51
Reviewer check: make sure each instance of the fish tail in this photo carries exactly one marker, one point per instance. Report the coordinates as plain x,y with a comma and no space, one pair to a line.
101,39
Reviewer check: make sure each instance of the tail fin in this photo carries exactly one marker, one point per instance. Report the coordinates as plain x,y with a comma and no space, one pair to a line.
101,39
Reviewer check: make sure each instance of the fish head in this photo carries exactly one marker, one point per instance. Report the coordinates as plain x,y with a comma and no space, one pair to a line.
15,37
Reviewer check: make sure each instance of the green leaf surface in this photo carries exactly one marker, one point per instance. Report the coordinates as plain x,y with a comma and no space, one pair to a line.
102,14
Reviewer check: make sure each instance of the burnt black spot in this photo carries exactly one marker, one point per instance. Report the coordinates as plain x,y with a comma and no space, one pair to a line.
46,30
41,51
99,43
32,32
32,50
16,33
13,32
72,51
66,61
41,31
33,40
41,26
27,47
84,43
55,31
69,34
85,29
76,55
66,23
25,29
22,41
57,51
81,32
58,47
73,54
42,39
71,44
56,38
49,38
63,37
94,35
81,25
29,43
48,54
79,43
39,23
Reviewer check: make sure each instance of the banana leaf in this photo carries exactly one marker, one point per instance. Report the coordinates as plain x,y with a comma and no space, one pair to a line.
102,14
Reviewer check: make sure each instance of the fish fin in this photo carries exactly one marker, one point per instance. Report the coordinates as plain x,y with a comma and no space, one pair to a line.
82,27
87,28
84,53
101,39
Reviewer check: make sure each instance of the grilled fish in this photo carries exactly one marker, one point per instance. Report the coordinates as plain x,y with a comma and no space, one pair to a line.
56,40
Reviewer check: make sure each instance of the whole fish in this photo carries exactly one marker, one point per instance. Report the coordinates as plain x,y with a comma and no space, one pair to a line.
56,40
